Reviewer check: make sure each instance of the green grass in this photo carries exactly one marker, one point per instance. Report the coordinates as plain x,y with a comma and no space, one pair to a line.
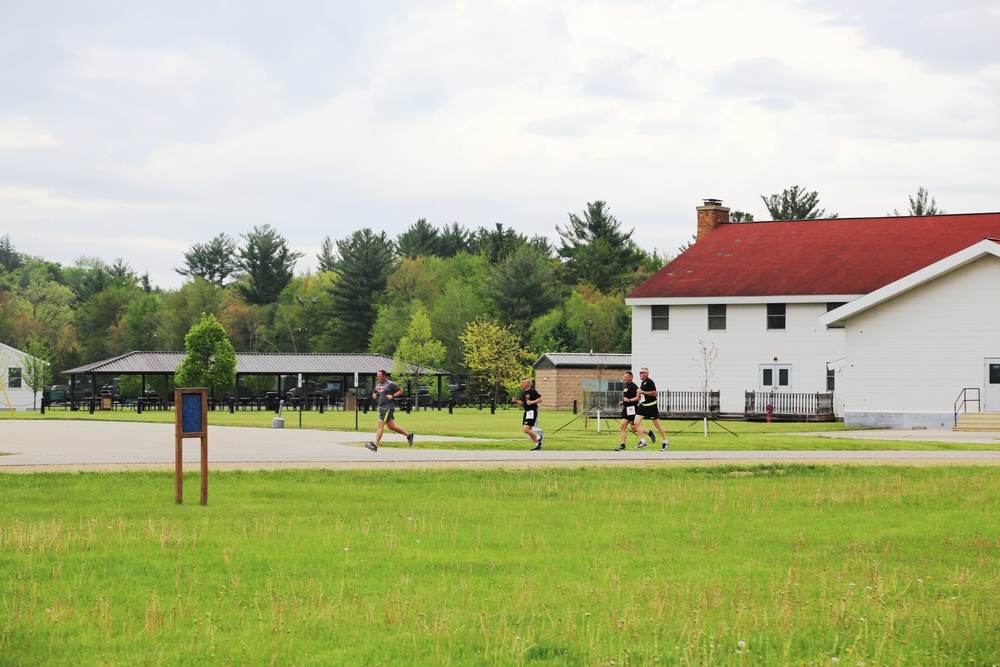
563,430
667,566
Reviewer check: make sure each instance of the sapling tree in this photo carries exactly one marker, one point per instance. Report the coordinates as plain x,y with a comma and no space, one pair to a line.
706,361
210,360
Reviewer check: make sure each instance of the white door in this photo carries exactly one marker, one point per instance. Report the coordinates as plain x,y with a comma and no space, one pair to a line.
775,377
991,395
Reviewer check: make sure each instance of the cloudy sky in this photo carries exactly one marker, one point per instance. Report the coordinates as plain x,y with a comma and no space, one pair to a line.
135,129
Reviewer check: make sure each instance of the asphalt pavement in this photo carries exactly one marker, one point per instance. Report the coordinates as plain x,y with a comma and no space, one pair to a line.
35,445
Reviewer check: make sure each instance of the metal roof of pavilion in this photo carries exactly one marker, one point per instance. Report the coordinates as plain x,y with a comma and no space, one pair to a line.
250,363
583,360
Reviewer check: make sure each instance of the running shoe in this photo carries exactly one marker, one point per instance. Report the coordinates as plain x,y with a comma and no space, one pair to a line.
372,446
641,445
652,437
666,446
409,438
538,445
620,448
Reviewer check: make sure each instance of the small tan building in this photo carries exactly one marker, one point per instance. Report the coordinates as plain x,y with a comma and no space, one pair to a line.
564,377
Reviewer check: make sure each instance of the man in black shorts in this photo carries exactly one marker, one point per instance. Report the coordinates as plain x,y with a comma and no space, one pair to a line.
648,407
385,392
530,398
630,401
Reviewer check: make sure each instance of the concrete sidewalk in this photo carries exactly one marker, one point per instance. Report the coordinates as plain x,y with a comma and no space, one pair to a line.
34,445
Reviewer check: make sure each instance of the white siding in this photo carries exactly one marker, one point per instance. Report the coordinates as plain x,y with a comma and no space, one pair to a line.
10,397
908,359
675,361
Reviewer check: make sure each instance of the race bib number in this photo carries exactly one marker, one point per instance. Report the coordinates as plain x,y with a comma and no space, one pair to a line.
529,414
630,410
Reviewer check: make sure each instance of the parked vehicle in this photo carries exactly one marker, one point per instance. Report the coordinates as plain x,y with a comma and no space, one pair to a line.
57,393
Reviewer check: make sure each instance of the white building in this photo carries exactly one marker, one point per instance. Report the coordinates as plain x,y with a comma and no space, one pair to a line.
744,309
926,346
14,392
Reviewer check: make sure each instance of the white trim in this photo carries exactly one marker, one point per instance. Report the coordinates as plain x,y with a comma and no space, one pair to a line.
777,298
915,279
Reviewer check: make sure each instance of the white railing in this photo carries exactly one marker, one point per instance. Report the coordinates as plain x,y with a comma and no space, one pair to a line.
667,402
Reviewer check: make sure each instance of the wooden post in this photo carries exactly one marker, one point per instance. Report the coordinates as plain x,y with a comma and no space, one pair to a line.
191,421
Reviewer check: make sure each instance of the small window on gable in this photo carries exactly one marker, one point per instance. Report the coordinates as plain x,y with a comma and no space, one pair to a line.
660,318
717,317
832,305
775,316
14,378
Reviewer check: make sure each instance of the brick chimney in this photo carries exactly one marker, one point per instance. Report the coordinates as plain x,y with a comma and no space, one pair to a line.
710,216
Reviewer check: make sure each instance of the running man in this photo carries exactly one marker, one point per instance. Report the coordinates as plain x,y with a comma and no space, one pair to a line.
630,401
384,393
648,407
530,398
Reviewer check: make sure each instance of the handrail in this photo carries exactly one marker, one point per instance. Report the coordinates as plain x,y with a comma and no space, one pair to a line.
963,399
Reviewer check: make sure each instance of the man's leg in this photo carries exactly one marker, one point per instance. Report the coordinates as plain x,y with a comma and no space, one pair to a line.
639,431
530,433
378,432
398,429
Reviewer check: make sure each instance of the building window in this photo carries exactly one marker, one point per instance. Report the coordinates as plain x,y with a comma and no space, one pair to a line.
775,316
832,305
717,317
602,385
831,379
661,318
14,378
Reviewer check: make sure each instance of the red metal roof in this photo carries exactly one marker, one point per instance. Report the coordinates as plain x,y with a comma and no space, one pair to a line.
814,257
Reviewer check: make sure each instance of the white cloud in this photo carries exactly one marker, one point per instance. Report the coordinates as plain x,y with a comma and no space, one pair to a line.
326,119
21,132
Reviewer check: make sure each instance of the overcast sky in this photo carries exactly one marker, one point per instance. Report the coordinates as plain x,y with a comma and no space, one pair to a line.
136,129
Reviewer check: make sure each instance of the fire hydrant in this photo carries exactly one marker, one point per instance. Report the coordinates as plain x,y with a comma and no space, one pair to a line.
770,411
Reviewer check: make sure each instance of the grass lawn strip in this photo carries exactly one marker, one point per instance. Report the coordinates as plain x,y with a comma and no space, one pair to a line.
727,565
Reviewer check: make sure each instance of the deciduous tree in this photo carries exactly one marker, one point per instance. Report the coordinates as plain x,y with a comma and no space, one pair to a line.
494,355
210,360
418,352
37,367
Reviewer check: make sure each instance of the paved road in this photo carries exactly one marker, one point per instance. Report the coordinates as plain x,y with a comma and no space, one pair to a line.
67,445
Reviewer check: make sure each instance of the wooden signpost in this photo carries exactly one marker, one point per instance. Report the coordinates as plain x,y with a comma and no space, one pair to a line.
191,419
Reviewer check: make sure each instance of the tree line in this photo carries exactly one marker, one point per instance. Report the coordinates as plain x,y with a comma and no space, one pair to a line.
369,293
431,294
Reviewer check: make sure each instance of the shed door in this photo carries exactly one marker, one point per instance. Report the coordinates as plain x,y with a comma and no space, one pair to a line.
991,395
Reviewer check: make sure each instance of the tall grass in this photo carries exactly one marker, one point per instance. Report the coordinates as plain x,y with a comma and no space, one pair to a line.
719,565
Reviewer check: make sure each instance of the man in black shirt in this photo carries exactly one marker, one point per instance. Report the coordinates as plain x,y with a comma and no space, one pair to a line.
530,398
630,400
648,407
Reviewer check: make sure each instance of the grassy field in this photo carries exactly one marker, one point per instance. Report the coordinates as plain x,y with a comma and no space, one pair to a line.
563,430
668,566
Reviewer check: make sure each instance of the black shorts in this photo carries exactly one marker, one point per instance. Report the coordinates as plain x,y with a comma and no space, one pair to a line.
530,417
385,414
648,411
630,418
